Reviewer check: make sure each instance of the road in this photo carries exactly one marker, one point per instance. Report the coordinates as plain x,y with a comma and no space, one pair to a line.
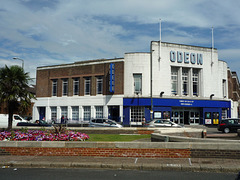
102,174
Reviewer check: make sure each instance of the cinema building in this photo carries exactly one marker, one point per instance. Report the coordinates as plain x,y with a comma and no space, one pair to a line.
183,83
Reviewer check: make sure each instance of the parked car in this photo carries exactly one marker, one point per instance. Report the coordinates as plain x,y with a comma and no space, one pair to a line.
36,123
16,119
162,123
28,118
229,125
104,123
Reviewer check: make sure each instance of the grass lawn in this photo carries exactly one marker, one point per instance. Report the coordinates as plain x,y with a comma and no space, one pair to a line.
116,137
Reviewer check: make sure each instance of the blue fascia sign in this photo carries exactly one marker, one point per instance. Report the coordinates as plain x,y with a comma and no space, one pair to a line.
186,102
157,102
112,77
186,57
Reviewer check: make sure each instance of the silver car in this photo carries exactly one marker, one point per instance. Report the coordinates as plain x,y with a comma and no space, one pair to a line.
162,123
104,123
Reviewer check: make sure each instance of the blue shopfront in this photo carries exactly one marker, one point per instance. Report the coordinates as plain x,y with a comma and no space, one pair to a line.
181,111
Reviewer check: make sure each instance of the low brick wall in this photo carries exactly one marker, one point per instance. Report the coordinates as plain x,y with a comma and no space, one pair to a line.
122,149
98,152
229,154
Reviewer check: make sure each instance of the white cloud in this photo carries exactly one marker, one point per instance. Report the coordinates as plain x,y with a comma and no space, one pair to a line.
58,31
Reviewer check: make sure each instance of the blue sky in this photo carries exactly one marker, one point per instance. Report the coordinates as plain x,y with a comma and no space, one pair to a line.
49,32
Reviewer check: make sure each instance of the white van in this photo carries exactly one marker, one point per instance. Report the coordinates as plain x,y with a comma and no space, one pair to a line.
16,119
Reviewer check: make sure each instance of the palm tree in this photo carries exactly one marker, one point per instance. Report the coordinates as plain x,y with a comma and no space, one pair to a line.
14,90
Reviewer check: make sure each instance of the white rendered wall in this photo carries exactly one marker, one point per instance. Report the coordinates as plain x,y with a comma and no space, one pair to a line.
92,101
136,63
234,109
212,72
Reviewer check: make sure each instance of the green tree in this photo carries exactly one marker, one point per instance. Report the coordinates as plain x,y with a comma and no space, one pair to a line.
14,90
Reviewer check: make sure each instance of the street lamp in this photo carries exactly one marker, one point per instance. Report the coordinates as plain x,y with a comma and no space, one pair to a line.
211,96
16,58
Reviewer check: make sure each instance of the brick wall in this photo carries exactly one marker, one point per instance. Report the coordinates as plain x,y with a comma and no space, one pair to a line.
120,152
81,71
99,152
201,153
122,149
233,86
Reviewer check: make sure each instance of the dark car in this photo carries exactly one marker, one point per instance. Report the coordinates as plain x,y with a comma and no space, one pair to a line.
229,125
28,118
36,123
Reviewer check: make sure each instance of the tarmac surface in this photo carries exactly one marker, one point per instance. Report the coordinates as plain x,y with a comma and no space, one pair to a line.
178,164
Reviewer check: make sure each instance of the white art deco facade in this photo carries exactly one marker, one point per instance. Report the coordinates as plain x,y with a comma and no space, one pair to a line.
187,84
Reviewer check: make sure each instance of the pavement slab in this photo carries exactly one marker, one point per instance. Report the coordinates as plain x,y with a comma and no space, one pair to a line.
176,164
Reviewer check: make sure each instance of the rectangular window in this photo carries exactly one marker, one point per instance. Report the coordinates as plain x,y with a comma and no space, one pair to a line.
76,86
195,79
174,80
64,111
137,114
185,81
86,113
224,86
99,85
224,113
75,113
65,87
54,114
99,111
137,83
54,87
87,86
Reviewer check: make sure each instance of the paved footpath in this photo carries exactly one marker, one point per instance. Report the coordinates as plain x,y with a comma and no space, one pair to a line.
196,164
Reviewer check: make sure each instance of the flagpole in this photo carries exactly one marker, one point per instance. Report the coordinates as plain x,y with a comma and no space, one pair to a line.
160,41
212,48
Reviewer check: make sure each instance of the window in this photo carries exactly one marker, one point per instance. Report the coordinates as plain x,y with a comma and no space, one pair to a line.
99,111
75,113
137,83
65,87
185,81
224,113
195,80
64,111
53,113
76,86
174,80
99,85
224,88
87,86
137,113
54,87
86,113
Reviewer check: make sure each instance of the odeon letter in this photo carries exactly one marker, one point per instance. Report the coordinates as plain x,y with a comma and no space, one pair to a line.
186,57
172,56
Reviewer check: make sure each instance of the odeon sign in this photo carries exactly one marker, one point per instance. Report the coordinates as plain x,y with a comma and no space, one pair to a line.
186,57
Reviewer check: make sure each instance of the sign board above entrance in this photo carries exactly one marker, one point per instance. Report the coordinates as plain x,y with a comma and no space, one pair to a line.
186,57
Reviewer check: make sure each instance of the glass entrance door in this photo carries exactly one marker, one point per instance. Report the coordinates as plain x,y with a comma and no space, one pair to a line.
178,117
186,116
194,117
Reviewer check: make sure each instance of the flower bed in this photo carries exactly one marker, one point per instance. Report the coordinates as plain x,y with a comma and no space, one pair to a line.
40,135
